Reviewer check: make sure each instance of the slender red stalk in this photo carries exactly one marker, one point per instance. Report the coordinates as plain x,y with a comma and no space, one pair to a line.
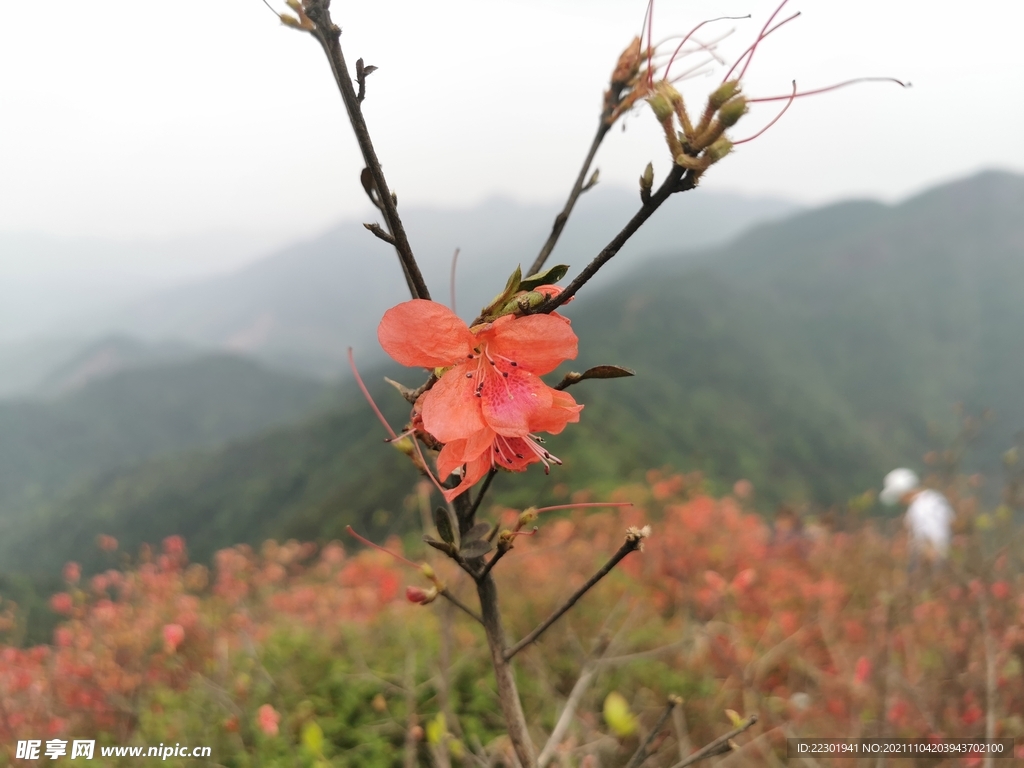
369,399
774,120
765,31
426,467
451,278
690,34
649,18
832,88
351,532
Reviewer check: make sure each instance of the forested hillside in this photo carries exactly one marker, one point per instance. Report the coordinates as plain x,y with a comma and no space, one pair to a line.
809,356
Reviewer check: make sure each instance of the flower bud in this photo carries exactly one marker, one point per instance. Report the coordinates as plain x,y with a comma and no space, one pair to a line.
427,571
731,112
420,595
527,517
718,150
723,93
647,180
662,107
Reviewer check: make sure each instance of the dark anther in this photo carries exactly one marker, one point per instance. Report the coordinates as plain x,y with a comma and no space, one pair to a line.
513,363
469,375
505,374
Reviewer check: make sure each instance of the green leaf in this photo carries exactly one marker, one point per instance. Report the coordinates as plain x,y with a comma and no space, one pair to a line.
597,372
436,729
511,289
478,531
313,738
443,523
443,546
617,715
476,548
547,277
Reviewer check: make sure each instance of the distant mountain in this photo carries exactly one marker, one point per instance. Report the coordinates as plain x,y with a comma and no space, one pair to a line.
48,283
47,446
303,306
108,357
808,355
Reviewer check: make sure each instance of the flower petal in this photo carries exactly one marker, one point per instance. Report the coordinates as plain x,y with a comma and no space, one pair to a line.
564,410
509,402
475,470
424,334
458,452
537,343
451,409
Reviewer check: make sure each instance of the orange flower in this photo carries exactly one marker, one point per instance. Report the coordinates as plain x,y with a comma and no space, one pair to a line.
490,399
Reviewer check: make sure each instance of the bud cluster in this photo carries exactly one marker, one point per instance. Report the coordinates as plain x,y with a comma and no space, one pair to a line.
697,147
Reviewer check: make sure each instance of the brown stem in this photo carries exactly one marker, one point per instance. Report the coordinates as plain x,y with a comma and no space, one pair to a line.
631,544
718,746
508,695
577,189
641,754
328,34
676,181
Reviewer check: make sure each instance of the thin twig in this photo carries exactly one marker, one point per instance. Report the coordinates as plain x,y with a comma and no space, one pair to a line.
678,180
380,233
631,544
641,753
572,703
459,604
471,514
328,34
577,189
718,746
500,553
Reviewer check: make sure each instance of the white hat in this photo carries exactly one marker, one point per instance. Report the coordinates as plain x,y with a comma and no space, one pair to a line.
897,483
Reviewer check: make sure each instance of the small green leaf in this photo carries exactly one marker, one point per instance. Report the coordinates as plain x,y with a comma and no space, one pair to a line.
476,548
617,715
313,738
547,277
511,289
443,523
439,545
478,531
436,729
597,372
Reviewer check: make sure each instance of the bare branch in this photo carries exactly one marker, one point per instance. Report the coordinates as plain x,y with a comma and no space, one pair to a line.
328,34
633,542
565,719
678,180
641,753
380,233
717,747
578,188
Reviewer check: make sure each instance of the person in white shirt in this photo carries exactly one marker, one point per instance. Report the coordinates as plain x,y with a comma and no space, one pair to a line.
929,518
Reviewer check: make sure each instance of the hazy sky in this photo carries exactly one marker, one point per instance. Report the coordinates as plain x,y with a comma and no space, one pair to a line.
168,119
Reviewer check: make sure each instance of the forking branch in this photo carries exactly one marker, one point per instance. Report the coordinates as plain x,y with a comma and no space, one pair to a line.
328,34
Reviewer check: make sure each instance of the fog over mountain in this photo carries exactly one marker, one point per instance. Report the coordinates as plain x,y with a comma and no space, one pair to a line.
301,307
